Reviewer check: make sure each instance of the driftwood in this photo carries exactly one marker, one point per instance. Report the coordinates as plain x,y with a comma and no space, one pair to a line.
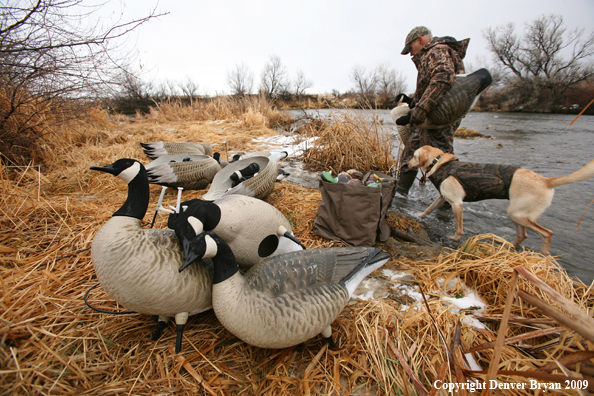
411,236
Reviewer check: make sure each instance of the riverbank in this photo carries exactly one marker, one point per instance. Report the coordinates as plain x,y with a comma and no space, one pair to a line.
390,341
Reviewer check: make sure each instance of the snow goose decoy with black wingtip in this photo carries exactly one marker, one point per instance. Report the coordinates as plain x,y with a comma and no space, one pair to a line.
287,299
253,228
158,149
138,267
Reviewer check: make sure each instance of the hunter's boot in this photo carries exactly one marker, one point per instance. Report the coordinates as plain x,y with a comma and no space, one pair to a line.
405,181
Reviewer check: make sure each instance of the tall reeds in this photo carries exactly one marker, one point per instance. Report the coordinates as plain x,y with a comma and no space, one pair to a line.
348,140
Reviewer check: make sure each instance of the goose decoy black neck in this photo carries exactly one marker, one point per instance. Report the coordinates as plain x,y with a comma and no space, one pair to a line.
484,77
210,245
134,174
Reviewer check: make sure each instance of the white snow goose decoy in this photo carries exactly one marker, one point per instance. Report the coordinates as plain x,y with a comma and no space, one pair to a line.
252,228
158,149
239,178
139,268
457,101
286,299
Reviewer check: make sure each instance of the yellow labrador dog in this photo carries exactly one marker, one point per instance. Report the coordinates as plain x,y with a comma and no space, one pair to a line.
529,193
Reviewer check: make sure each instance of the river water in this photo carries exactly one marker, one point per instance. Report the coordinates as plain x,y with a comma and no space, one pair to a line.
541,142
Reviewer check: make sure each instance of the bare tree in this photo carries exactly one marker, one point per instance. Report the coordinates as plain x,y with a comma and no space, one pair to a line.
273,80
50,55
301,83
365,83
389,82
544,62
135,88
169,88
189,88
240,80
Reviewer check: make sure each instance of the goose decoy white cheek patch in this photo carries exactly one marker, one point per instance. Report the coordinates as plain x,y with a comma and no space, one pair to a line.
130,173
211,247
196,224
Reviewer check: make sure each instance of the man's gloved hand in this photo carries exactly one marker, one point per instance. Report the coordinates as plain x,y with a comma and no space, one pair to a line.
417,116
404,98
404,120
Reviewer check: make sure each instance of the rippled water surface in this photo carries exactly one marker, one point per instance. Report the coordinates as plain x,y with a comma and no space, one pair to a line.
543,143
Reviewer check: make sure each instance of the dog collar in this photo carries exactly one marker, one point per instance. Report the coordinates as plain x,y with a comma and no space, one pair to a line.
435,161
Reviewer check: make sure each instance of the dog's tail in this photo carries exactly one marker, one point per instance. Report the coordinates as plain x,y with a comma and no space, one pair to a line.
585,173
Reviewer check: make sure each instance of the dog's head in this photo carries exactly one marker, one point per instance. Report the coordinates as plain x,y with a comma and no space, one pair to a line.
423,158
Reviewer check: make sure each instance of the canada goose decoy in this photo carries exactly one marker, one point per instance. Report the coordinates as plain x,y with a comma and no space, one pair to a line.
181,171
457,101
158,149
403,130
252,228
259,186
273,155
138,267
191,172
287,299
223,163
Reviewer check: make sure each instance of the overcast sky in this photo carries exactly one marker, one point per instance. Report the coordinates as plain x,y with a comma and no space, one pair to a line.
204,40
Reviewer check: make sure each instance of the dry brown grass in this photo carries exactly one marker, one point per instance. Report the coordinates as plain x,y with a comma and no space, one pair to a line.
252,110
52,343
348,141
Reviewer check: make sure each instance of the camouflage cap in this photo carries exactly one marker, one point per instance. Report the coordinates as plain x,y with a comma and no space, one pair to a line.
412,36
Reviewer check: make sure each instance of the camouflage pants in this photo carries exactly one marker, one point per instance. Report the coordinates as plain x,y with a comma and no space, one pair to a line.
441,138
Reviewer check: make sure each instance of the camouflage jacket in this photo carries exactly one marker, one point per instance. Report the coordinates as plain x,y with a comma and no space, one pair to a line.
480,181
437,64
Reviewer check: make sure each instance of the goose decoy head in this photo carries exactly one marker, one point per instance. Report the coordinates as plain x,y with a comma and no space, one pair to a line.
124,168
210,245
246,172
196,218
134,174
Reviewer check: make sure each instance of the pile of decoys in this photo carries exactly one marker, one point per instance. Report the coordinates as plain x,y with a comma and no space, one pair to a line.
189,166
287,294
353,176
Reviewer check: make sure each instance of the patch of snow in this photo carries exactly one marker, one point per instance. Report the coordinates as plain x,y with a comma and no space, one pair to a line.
474,366
292,144
470,300
393,275
473,322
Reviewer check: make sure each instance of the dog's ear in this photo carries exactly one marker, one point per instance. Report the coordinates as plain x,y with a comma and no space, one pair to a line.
423,157
447,157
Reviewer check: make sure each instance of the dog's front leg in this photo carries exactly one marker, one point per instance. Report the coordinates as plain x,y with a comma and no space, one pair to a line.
436,204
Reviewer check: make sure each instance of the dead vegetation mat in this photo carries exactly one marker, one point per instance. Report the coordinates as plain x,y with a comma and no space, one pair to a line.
52,343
